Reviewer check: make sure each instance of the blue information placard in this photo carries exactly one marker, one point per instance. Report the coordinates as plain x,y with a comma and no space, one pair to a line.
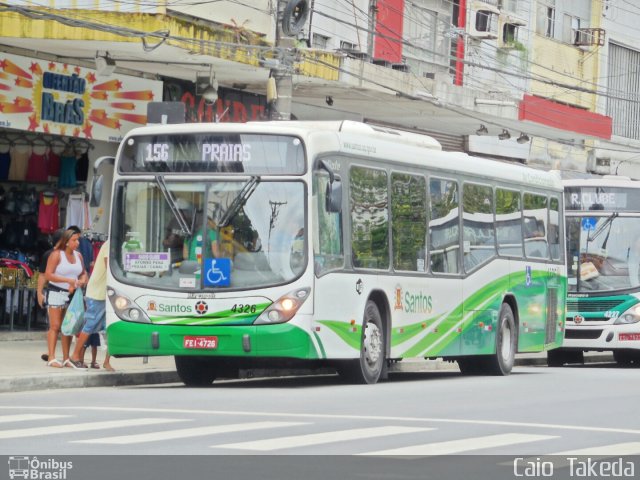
217,272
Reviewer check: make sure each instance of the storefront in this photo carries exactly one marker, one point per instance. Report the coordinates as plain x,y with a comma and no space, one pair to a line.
56,119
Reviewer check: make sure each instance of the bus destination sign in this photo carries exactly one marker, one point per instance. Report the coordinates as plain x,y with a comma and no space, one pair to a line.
601,198
184,153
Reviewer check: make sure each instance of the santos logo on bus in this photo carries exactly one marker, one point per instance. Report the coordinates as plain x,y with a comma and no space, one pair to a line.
171,308
412,302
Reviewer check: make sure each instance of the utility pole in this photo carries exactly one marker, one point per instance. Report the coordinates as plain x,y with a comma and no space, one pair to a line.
373,10
290,18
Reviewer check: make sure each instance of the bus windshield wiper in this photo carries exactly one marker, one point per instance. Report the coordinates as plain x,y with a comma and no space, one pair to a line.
600,229
171,201
239,201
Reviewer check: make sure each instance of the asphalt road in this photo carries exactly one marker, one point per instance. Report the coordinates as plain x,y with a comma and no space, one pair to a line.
534,411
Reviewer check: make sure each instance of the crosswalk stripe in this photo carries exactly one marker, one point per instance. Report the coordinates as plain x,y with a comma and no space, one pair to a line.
463,445
188,432
28,417
321,438
83,427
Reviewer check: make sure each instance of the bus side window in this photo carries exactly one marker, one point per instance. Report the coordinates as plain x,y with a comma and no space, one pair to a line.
535,231
327,229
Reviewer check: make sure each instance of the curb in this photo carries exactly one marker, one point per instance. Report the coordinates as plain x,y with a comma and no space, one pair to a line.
542,361
78,380
119,379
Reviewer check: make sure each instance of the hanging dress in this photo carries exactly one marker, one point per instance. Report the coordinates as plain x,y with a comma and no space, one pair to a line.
37,168
48,212
53,166
5,163
75,211
82,168
19,164
67,172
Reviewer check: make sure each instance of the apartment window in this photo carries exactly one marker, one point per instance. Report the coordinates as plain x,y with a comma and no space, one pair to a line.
545,19
551,18
484,20
509,33
426,30
320,42
570,27
347,46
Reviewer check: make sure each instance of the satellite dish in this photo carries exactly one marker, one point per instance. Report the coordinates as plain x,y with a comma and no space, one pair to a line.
294,16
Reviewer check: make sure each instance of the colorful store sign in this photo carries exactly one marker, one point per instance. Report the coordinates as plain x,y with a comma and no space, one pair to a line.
231,106
63,99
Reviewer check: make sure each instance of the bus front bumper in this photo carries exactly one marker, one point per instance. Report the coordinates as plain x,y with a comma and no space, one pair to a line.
602,337
143,339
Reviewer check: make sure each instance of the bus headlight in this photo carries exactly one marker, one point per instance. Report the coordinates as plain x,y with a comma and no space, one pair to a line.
125,308
283,309
630,316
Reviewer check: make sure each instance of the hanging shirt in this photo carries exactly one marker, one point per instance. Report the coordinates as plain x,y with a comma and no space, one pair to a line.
48,212
53,165
82,167
37,168
75,211
5,162
19,164
67,172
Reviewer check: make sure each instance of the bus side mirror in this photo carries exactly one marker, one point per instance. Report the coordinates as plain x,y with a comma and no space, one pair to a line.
334,196
97,182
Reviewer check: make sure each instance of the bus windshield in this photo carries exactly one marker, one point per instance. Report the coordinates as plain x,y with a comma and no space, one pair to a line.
602,257
166,233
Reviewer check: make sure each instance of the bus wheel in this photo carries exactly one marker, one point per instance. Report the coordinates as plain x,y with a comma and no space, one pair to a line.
196,371
368,369
501,362
626,357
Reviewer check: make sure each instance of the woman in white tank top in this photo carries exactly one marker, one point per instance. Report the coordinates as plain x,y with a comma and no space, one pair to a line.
65,272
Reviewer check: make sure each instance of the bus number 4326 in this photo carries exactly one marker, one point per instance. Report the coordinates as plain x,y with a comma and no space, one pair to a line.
243,308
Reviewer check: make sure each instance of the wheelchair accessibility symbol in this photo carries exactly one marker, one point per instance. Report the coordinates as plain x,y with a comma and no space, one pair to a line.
527,276
217,272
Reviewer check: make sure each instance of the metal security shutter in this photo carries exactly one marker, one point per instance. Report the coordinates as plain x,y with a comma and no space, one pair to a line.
624,84
450,143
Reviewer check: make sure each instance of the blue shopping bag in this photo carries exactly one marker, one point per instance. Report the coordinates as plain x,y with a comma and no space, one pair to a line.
74,318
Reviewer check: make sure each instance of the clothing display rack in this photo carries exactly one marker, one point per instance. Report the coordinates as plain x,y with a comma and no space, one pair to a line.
42,188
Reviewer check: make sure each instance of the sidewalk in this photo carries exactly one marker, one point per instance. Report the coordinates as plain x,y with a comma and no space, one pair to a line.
21,368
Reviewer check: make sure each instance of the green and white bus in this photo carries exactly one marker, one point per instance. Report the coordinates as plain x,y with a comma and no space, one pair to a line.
603,248
334,244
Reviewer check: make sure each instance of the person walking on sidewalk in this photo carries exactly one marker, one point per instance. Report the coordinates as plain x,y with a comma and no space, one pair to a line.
95,315
42,269
65,273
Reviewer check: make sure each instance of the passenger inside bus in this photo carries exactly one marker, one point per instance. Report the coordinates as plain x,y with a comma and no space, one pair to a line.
174,236
192,247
